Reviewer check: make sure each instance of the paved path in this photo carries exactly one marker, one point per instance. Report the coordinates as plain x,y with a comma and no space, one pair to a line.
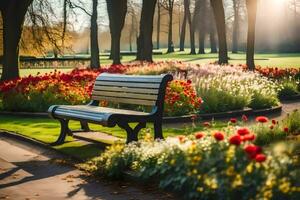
28,173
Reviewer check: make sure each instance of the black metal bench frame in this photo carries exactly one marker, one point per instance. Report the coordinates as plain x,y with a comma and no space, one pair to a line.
121,119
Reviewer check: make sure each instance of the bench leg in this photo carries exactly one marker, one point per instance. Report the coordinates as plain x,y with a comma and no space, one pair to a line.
85,126
158,130
64,131
132,134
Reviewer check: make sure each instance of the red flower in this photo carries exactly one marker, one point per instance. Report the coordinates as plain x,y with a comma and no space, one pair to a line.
243,131
206,124
286,129
249,137
199,135
271,127
233,120
244,118
219,136
181,138
252,150
189,81
235,139
274,121
260,158
262,119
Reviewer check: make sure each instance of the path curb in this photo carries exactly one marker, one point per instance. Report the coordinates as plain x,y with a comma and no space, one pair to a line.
181,119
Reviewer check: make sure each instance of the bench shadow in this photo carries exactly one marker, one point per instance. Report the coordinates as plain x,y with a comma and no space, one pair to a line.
38,170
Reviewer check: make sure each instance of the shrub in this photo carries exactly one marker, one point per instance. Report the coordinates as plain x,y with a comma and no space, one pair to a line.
289,87
292,123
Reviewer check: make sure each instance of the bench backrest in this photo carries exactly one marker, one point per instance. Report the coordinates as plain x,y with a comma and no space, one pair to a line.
131,89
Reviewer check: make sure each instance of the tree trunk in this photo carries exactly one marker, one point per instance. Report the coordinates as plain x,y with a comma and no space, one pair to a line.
110,14
218,10
202,25
144,44
212,38
158,26
212,30
170,26
201,43
251,9
13,14
236,23
117,10
191,25
182,34
95,62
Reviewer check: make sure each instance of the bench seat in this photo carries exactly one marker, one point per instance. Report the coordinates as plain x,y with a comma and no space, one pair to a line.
101,115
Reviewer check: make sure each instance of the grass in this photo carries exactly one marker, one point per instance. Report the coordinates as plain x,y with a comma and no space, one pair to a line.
281,60
47,131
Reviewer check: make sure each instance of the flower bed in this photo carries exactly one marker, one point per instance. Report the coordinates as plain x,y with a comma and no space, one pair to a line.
213,164
227,88
37,93
222,88
288,79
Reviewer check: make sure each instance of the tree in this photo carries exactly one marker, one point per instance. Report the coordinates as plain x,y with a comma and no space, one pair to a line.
218,10
236,26
212,31
13,15
95,61
202,9
117,10
169,6
144,42
158,24
183,30
251,10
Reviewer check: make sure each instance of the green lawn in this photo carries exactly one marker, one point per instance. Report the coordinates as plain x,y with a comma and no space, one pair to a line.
47,131
263,59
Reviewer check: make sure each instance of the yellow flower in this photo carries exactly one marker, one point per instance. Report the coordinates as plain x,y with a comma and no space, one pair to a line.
284,185
249,168
268,194
211,183
173,162
200,189
230,171
195,171
199,177
238,181
230,154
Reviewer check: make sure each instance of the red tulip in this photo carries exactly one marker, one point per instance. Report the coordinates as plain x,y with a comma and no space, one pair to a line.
219,136
262,119
235,140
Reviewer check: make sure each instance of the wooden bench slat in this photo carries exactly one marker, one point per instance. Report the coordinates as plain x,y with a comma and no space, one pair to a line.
98,110
128,84
105,74
123,100
81,116
125,95
131,79
126,89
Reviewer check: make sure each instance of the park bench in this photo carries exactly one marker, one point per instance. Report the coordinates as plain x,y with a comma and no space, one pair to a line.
118,89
